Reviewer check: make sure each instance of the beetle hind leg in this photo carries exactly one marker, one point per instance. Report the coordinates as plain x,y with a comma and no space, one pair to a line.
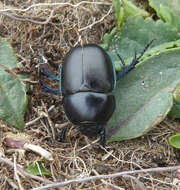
62,135
102,140
47,89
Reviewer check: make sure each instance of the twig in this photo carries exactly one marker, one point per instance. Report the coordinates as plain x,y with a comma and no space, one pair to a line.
122,161
161,181
22,172
54,4
105,182
49,120
39,117
5,13
88,145
39,150
138,183
6,69
160,169
96,22
34,121
23,142
16,174
28,19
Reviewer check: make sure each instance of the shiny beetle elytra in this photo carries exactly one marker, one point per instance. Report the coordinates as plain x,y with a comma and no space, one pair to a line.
87,79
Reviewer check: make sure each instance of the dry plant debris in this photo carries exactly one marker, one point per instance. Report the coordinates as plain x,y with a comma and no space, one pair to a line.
42,32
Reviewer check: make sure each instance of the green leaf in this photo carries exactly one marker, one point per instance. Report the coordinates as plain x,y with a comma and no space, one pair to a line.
174,141
38,169
177,94
145,96
175,111
132,11
124,9
119,12
135,35
140,114
13,100
167,10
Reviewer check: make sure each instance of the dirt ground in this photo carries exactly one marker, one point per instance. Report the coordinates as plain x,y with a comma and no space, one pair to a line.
43,34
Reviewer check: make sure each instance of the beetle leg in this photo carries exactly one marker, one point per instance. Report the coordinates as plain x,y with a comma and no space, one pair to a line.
103,137
135,54
145,49
121,59
45,73
62,136
134,62
47,89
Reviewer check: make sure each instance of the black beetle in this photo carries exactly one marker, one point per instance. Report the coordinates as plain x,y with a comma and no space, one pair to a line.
87,79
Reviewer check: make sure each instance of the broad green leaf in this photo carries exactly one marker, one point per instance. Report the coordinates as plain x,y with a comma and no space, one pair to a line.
174,141
175,111
124,9
38,169
177,94
167,10
135,35
145,96
13,100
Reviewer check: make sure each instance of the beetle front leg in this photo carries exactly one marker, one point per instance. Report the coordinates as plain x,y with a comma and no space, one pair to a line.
102,140
45,73
134,62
